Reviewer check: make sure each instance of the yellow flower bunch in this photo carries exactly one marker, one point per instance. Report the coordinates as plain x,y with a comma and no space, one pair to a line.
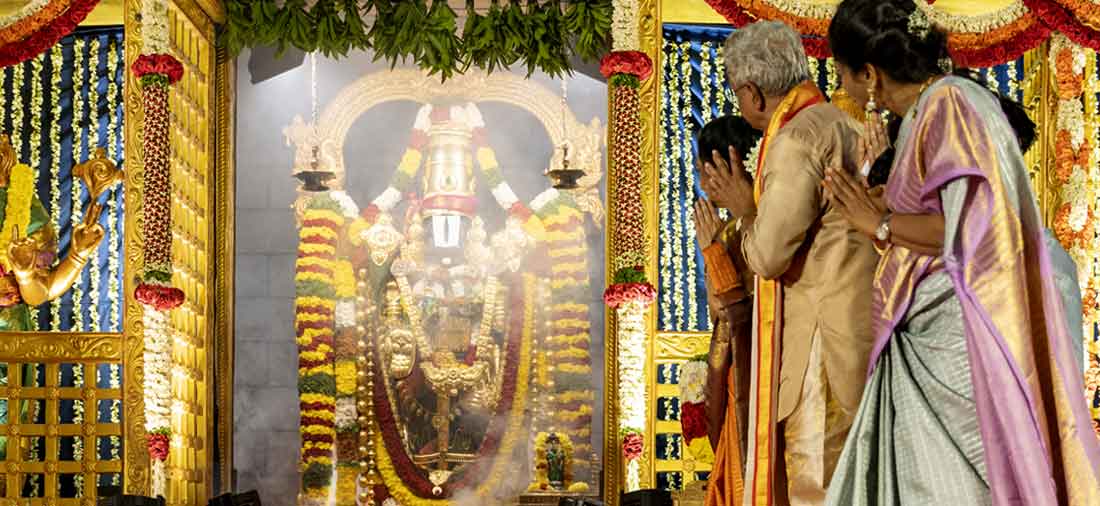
346,377
17,212
344,279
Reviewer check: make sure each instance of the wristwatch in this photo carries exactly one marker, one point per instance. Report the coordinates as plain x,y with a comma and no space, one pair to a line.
882,233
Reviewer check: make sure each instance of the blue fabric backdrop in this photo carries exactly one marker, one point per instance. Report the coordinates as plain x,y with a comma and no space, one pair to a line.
58,108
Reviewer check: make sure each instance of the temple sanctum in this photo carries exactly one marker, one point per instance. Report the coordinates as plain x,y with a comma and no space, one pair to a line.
434,253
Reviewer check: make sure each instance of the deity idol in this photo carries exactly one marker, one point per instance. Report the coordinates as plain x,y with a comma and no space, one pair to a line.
451,305
28,248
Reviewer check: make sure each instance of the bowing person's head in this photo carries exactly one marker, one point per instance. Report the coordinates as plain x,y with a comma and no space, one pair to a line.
764,61
722,132
881,45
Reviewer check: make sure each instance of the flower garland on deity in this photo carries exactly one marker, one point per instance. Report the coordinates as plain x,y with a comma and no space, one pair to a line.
346,353
404,481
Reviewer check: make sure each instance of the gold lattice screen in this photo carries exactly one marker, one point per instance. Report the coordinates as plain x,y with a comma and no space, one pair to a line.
60,394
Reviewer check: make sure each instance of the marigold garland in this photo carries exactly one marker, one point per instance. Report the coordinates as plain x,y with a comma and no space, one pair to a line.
569,343
315,281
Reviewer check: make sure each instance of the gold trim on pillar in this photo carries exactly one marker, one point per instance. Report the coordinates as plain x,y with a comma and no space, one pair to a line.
225,220
649,101
135,459
1039,99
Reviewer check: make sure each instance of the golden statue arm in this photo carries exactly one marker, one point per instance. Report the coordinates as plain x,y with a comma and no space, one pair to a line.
38,285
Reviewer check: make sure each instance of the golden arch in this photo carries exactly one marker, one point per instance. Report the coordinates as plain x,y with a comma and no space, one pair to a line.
413,85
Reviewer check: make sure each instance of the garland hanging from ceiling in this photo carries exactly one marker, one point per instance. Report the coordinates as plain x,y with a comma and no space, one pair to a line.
980,34
538,35
37,26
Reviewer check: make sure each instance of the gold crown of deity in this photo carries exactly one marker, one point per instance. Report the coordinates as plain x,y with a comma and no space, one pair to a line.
449,185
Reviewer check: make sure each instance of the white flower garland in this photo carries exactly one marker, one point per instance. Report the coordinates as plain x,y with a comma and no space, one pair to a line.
624,26
387,199
543,199
633,476
347,205
1071,117
346,413
158,364
345,313
154,27
504,195
27,10
632,387
632,355
752,160
693,381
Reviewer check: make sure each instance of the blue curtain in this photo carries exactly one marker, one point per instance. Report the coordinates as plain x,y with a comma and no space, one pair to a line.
58,108
693,88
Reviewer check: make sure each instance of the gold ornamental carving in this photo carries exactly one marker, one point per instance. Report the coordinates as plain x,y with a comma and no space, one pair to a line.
60,347
135,458
680,345
331,130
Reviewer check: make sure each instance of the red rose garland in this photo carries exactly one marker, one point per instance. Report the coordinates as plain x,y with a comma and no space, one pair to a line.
157,443
632,446
626,69
632,63
157,72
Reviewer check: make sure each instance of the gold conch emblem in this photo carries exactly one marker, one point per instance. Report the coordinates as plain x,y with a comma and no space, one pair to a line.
98,173
382,239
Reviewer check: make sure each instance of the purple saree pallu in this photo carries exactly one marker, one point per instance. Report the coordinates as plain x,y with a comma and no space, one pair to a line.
989,307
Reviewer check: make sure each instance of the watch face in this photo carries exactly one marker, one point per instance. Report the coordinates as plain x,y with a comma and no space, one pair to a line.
883,232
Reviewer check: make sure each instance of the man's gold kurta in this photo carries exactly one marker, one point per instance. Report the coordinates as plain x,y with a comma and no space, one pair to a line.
826,267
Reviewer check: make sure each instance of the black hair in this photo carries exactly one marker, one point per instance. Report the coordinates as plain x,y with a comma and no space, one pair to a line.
722,132
1022,126
877,32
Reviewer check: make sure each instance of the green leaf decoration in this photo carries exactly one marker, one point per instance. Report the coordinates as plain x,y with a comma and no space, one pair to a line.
541,36
589,23
441,51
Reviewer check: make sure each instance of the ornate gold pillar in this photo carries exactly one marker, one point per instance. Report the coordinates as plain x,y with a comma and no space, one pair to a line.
198,138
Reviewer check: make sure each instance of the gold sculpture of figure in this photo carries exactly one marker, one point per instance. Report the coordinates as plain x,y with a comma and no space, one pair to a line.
30,243
446,292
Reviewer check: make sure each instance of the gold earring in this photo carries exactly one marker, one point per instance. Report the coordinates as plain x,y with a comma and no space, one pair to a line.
871,106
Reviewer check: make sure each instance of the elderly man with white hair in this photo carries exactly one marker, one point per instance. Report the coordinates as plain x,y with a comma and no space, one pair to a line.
811,329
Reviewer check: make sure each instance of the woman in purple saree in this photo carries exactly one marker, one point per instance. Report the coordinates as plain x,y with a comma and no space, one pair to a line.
974,396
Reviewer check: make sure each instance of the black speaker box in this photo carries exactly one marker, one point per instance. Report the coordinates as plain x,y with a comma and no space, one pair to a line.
647,498
250,498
